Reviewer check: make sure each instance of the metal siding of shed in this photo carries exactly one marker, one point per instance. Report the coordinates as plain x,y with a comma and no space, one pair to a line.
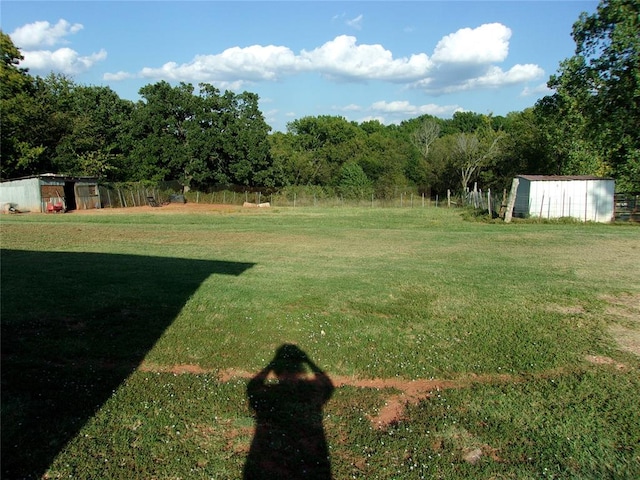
51,191
23,194
584,199
87,195
601,200
521,207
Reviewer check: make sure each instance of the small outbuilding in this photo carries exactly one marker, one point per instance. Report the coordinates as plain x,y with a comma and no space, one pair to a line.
49,193
585,197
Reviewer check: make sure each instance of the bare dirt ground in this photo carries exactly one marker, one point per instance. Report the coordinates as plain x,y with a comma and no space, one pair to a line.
170,208
626,332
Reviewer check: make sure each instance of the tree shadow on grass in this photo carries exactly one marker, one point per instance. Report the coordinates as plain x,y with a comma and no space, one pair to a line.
74,327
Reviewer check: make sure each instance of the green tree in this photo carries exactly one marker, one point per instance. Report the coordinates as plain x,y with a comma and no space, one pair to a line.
20,153
599,87
13,79
93,140
354,183
474,152
524,150
463,122
199,139
325,142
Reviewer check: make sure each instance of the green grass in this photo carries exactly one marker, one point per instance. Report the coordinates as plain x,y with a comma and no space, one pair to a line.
366,293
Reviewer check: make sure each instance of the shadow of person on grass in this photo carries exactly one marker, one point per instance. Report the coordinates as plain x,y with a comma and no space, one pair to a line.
289,440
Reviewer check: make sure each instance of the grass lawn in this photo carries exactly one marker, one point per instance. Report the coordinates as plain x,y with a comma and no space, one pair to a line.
457,348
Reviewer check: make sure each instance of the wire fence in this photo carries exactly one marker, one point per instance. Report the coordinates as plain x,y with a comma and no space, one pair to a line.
136,196
627,206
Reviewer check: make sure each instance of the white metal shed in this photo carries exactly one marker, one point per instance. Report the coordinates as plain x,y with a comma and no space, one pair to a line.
584,197
36,193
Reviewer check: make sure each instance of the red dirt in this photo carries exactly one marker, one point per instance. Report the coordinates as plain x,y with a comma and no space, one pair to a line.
410,392
171,208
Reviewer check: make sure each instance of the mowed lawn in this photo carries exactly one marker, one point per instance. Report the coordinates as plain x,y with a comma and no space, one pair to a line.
457,348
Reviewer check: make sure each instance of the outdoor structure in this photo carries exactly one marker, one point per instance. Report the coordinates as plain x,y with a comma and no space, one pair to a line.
49,193
584,197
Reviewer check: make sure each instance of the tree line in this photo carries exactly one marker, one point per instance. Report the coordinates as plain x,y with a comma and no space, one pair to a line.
204,137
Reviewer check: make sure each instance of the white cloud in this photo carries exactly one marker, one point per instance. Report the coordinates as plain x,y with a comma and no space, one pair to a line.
407,109
33,38
463,60
342,58
42,34
540,89
352,107
64,60
118,76
356,22
491,77
396,111
234,66
486,44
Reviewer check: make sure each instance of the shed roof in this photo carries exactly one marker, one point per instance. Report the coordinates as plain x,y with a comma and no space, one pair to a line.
54,176
549,178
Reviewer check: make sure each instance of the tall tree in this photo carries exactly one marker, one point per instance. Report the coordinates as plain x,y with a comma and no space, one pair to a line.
475,151
600,88
159,132
424,135
19,152
524,149
199,139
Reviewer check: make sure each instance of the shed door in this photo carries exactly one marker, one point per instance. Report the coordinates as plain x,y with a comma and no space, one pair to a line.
70,195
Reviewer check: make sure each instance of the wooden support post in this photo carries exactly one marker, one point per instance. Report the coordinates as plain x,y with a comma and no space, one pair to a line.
511,201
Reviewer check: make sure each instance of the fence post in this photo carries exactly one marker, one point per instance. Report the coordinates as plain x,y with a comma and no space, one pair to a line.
448,198
512,200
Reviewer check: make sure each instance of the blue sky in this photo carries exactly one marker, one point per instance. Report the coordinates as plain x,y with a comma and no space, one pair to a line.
384,60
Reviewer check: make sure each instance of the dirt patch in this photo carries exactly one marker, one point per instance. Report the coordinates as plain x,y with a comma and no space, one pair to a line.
401,392
566,309
625,306
175,369
171,208
602,360
626,310
409,392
